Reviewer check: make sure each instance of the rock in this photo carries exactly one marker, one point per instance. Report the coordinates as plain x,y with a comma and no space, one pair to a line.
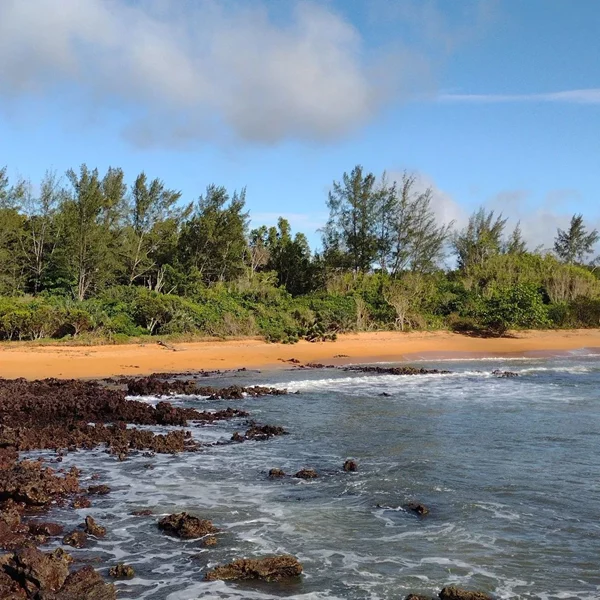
350,466
237,437
417,508
81,502
417,597
454,593
272,568
259,432
186,526
37,571
13,537
86,584
77,539
98,490
385,395
92,528
145,512
210,541
396,370
47,529
276,474
122,571
306,474
10,589
504,374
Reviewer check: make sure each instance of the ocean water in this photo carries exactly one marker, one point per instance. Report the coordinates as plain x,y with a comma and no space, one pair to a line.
510,469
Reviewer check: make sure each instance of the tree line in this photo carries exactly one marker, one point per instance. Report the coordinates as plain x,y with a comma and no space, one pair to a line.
88,253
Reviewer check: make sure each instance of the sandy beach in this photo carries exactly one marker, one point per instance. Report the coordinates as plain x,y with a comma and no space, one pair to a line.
31,362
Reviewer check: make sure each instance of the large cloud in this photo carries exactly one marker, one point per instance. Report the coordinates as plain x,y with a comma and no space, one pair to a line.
179,71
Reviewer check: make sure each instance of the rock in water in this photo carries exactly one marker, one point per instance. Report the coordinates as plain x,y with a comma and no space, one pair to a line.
86,584
306,474
272,568
417,508
38,572
417,597
93,528
454,593
350,466
122,571
276,473
77,539
186,526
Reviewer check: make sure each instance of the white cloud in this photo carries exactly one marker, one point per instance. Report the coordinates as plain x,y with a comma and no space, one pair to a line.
187,70
582,96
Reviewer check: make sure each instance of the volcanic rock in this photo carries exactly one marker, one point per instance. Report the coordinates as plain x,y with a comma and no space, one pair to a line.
38,572
504,374
306,474
81,502
45,529
122,571
276,474
350,466
454,593
417,508
77,539
186,526
272,568
92,528
86,584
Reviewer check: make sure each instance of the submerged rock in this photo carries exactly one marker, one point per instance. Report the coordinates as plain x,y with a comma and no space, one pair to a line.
81,502
454,593
122,571
350,466
417,508
92,528
504,374
98,490
210,541
272,568
77,539
276,474
186,526
417,597
258,432
306,474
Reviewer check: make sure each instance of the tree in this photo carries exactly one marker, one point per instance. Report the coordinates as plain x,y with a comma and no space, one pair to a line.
149,205
213,241
416,242
575,244
480,239
41,232
350,235
515,243
90,218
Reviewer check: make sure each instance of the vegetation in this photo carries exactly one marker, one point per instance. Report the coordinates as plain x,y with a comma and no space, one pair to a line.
89,257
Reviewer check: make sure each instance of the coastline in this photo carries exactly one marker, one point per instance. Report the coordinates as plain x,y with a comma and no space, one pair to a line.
37,362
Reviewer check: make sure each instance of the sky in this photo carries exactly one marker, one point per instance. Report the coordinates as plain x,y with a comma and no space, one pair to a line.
492,103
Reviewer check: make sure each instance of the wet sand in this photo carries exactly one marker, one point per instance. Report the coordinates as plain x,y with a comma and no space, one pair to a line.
31,362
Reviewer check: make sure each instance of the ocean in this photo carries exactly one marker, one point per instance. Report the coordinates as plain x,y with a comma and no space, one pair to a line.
508,467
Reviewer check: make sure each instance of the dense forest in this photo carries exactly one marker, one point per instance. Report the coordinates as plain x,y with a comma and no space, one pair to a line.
88,256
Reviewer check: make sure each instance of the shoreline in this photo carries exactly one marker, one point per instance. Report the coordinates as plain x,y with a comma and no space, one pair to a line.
83,362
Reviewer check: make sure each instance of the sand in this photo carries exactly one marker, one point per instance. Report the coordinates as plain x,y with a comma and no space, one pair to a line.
31,362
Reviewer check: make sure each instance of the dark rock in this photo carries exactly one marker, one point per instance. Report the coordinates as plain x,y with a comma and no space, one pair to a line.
38,572
504,374
98,490
385,395
77,539
86,584
454,593
92,528
417,597
273,568
46,529
10,589
417,508
259,432
306,474
211,540
350,466
122,571
81,502
145,512
396,370
276,474
186,526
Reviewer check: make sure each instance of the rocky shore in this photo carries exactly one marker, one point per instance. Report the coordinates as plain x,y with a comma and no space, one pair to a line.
62,416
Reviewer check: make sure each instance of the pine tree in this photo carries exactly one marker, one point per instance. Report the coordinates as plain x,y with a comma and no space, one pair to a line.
575,244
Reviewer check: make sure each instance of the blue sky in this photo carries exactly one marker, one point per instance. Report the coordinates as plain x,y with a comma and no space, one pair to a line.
493,103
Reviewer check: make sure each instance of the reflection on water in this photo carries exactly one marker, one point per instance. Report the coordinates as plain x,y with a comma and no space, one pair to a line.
509,468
